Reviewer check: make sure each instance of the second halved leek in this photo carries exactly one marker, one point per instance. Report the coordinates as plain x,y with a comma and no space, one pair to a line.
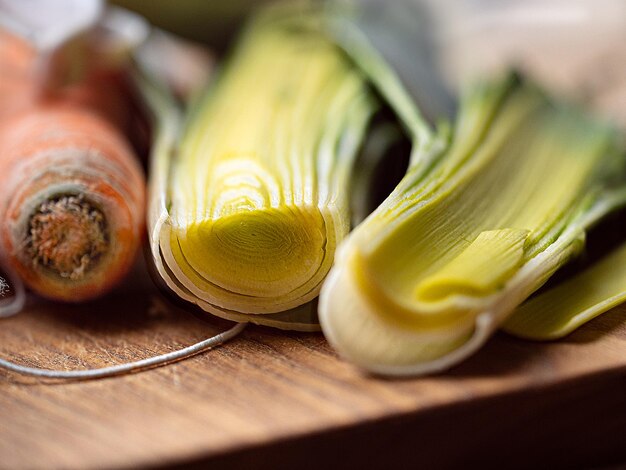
469,234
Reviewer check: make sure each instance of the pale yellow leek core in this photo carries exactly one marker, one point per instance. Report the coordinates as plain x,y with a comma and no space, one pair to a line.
468,235
259,191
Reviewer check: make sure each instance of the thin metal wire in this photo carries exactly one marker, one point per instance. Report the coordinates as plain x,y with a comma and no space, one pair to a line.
130,367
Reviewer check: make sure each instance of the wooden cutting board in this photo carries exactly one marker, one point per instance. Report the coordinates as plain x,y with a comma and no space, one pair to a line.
270,399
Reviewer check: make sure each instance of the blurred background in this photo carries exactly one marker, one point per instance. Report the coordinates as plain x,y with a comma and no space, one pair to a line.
575,47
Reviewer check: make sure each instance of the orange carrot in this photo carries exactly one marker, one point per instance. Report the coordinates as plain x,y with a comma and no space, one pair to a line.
71,190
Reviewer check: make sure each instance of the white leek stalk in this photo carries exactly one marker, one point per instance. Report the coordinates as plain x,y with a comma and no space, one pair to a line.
470,232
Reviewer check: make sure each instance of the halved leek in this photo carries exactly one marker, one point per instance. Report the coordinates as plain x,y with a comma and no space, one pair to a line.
246,217
470,232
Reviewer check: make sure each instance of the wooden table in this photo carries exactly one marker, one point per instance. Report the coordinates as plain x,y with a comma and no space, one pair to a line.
274,400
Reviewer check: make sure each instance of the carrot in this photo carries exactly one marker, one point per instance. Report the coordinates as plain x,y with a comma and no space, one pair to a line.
71,190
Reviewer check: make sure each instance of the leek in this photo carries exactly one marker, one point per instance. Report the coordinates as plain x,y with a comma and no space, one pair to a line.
471,231
246,217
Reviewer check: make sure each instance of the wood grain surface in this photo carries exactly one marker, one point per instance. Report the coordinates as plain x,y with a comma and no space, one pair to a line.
269,399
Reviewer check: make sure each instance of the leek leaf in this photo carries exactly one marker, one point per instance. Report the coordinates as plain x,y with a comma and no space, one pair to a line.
559,311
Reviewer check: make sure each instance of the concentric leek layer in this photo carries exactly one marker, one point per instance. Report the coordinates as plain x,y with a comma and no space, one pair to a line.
256,253
464,240
247,257
258,194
